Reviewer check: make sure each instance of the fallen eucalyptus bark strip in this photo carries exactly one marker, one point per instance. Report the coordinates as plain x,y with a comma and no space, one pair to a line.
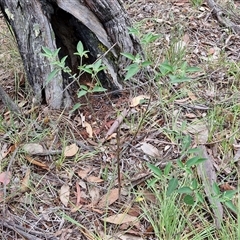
208,175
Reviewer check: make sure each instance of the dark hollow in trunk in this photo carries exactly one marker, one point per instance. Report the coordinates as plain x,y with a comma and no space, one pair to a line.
101,25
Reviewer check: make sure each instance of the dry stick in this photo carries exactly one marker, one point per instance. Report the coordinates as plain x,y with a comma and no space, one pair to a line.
13,107
21,232
118,163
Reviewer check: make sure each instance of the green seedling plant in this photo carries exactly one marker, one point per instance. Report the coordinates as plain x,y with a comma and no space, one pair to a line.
191,190
176,74
225,197
197,3
60,65
177,71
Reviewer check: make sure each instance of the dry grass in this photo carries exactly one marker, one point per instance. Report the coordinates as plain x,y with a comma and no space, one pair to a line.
211,99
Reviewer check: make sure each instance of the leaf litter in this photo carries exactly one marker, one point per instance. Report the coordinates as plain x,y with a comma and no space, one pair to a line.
92,186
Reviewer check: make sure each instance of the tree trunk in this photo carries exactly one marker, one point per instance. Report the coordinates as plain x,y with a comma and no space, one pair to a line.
101,25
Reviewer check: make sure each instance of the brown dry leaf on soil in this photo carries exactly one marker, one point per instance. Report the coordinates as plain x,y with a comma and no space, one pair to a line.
149,149
37,163
122,218
200,131
88,129
25,182
137,100
64,194
94,179
109,198
33,148
95,195
5,177
71,150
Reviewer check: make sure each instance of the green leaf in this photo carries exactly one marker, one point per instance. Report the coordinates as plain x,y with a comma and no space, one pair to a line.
216,189
97,65
165,68
173,183
188,199
151,183
63,60
146,63
199,197
194,184
84,87
195,161
98,89
55,53
186,142
231,206
180,163
167,169
47,51
75,107
157,171
133,31
177,79
149,37
186,190
85,69
131,71
82,93
193,69
52,75
129,56
194,150
80,48
229,194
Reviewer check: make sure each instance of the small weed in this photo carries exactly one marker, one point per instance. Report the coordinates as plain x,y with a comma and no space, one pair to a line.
60,65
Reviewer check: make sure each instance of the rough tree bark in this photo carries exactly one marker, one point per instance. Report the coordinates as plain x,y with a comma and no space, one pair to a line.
101,25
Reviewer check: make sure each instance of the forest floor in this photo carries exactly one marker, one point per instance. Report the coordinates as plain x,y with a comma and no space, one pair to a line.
175,154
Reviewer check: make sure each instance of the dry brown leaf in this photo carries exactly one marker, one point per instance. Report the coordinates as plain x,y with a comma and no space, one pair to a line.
33,148
71,150
226,186
5,177
65,194
137,100
121,218
78,194
191,95
95,195
200,132
94,179
84,173
37,163
120,236
190,115
88,129
25,182
149,149
109,198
